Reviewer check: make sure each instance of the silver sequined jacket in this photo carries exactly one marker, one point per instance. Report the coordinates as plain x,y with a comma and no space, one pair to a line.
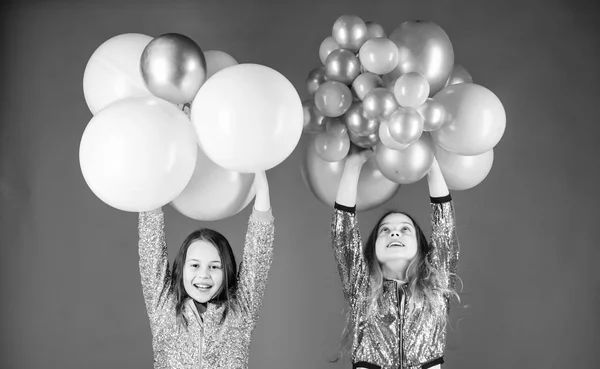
395,336
212,343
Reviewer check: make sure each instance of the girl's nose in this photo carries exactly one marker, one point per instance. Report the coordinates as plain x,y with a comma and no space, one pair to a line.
395,234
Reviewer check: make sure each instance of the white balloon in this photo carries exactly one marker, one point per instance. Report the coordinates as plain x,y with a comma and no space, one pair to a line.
217,60
248,118
113,71
138,154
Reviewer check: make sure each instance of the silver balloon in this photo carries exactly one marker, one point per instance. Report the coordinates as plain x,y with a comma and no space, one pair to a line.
357,122
375,30
173,67
387,139
425,48
366,142
408,165
313,118
332,148
342,66
406,125
315,78
434,115
335,127
459,75
379,103
327,46
323,179
333,98
365,83
350,32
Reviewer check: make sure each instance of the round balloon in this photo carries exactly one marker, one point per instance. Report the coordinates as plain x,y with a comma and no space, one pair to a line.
217,60
459,75
342,66
433,113
173,67
364,83
405,125
408,165
350,32
387,139
379,55
315,78
476,119
464,172
323,179
214,193
138,154
357,122
248,118
375,30
332,148
113,71
425,48
379,103
327,46
333,98
411,90
313,119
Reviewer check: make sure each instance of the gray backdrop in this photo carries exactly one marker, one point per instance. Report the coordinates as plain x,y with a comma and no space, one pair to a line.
71,295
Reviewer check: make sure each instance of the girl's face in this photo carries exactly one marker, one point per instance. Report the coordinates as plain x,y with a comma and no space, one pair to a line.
396,239
203,271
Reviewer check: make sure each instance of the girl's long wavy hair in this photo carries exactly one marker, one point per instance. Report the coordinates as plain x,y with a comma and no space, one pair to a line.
227,292
424,282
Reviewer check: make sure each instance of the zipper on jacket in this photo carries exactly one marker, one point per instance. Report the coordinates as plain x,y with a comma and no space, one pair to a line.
400,298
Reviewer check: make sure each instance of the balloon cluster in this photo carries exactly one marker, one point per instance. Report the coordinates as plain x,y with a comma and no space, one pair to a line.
403,97
174,124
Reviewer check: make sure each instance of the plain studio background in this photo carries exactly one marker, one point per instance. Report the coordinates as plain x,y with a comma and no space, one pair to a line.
71,295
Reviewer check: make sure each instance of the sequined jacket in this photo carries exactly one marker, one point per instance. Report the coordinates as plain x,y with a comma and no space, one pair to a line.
396,336
210,342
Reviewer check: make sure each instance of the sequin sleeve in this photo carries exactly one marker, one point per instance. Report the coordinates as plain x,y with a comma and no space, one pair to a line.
256,262
444,240
347,248
154,263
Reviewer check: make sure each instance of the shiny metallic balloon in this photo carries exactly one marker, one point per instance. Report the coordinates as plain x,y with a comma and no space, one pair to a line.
408,165
314,120
342,66
315,78
375,30
173,67
365,83
335,127
406,125
333,98
326,47
425,48
379,103
434,115
387,139
332,148
411,90
459,75
357,122
379,55
463,172
366,142
350,32
323,179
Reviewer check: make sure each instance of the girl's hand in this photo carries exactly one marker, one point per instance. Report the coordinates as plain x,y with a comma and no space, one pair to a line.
156,211
262,202
436,181
358,157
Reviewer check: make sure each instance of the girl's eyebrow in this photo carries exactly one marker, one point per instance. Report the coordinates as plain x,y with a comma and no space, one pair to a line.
386,223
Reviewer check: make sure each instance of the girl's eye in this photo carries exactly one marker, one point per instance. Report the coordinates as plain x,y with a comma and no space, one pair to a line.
194,265
215,267
405,229
385,229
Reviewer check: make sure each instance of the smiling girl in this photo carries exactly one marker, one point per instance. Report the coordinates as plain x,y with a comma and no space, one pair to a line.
398,285
202,313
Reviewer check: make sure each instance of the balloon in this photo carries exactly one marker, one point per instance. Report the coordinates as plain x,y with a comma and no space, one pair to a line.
389,80
333,98
406,125
387,139
463,172
350,32
433,113
248,118
327,46
342,66
332,148
113,71
411,90
379,103
138,154
366,142
313,119
406,166
217,60
323,179
379,55
425,48
214,193
315,78
375,30
459,75
335,127
476,119
173,67
365,83
357,122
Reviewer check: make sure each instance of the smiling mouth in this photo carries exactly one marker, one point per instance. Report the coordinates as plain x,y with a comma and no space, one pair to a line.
396,244
203,287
